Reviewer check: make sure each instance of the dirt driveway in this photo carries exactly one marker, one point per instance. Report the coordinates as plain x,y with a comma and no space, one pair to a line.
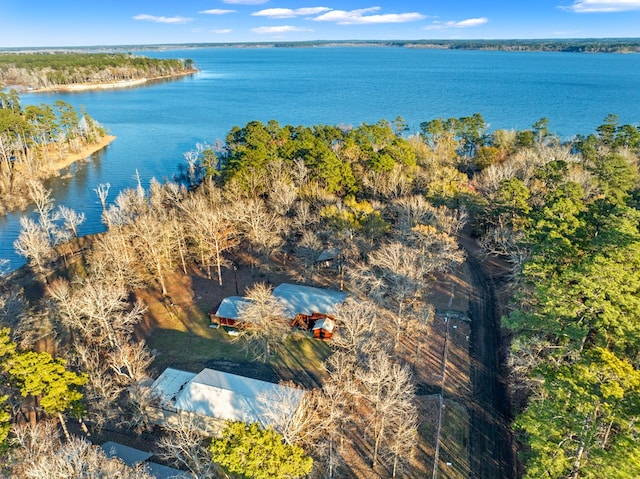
491,445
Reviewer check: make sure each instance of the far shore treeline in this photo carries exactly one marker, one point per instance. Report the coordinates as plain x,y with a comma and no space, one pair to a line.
574,45
52,69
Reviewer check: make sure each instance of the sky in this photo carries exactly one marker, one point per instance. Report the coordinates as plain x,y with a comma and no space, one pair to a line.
51,23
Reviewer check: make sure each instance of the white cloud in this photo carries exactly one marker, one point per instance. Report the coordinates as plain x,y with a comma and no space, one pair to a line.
280,29
153,18
217,11
221,30
360,17
603,6
245,2
469,22
289,12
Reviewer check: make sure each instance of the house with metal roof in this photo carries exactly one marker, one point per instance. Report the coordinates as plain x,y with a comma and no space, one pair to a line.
308,306
228,311
133,457
222,396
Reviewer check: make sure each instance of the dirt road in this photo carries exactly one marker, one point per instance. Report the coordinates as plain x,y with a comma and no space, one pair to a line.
491,448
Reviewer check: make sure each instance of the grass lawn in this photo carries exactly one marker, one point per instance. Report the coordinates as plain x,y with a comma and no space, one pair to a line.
453,441
179,335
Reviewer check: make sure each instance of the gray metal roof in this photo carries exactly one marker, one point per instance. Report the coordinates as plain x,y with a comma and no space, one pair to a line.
166,472
223,395
231,306
129,455
299,299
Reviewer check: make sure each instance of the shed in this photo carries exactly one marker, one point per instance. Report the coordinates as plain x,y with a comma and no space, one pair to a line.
327,256
129,455
132,457
323,328
224,396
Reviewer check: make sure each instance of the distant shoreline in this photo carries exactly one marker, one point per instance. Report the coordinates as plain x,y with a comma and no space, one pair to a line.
77,87
564,45
570,45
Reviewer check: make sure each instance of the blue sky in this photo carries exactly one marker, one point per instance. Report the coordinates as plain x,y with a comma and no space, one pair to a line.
117,22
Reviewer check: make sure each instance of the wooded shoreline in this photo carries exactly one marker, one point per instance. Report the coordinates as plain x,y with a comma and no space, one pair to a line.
75,87
85,152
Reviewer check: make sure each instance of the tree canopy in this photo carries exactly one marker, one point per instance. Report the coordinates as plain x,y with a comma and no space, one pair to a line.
246,451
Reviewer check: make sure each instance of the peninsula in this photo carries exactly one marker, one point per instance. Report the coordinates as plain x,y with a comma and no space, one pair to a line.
38,141
73,71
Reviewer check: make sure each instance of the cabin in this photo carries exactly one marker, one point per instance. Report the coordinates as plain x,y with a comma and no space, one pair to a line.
307,308
228,311
307,305
217,396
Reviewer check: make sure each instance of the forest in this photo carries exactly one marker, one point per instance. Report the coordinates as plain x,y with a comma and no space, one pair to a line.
34,140
52,69
562,218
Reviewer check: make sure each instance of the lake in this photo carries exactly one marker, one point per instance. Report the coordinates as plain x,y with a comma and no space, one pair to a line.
156,124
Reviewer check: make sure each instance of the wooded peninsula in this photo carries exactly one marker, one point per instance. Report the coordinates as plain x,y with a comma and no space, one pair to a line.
55,70
37,141
394,219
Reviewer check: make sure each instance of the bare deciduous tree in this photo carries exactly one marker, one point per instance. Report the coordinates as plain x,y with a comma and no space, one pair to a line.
293,413
357,329
281,189
40,453
71,220
153,242
260,226
388,389
183,446
34,243
111,260
263,323
401,443
100,312
211,231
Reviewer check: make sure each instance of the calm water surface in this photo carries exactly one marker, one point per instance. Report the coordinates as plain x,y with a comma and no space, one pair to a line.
156,124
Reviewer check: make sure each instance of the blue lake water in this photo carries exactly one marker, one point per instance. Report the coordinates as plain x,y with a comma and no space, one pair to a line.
156,124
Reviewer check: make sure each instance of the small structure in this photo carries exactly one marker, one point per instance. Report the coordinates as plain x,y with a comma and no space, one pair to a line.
129,455
327,257
222,396
132,457
323,328
306,305
228,311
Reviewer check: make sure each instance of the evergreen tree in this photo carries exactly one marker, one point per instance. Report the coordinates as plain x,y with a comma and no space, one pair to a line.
246,451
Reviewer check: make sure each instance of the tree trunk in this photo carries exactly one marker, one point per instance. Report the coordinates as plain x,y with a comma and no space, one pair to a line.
63,423
219,266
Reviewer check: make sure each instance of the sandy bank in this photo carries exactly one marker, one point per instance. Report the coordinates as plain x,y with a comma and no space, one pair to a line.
83,153
108,85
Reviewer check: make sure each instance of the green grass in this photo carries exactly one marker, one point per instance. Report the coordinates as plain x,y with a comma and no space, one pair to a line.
453,441
300,361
